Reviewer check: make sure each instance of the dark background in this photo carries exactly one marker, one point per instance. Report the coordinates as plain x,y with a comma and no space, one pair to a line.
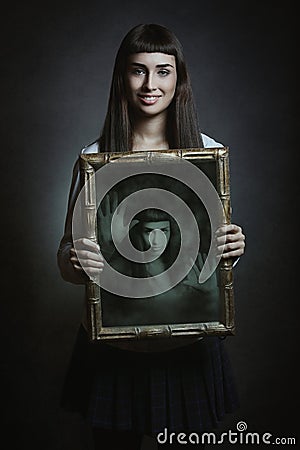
56,67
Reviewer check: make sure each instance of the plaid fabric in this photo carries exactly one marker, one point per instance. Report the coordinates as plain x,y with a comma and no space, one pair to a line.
187,389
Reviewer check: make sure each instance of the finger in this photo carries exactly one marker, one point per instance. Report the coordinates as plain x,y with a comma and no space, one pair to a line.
86,244
88,263
221,240
77,267
106,205
82,256
74,260
233,249
93,272
233,254
114,201
230,228
239,237
87,255
235,237
233,246
90,271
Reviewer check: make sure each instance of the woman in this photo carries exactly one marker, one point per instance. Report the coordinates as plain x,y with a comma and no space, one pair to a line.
156,232
126,394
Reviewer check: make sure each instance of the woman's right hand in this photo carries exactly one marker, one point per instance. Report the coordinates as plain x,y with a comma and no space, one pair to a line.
86,258
110,208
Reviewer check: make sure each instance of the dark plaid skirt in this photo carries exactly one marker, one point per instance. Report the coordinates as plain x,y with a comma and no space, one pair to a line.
188,389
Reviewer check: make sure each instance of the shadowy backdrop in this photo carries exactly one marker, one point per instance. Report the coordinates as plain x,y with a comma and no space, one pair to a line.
57,61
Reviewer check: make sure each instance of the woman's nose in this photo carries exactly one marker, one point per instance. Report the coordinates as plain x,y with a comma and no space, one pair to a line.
149,83
157,237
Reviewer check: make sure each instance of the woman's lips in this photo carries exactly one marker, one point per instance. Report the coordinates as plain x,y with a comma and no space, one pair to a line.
149,99
157,249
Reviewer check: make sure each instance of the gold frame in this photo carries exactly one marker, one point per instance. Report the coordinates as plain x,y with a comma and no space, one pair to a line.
89,163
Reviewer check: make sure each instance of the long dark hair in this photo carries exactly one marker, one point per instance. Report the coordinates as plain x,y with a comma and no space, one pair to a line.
182,124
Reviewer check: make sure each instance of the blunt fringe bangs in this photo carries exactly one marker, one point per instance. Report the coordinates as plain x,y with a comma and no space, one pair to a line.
151,38
182,124
152,215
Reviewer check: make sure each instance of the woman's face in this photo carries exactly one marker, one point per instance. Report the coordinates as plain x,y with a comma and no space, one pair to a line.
156,235
151,82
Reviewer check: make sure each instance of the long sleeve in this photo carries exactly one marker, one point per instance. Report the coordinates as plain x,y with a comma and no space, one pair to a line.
63,254
67,271
210,142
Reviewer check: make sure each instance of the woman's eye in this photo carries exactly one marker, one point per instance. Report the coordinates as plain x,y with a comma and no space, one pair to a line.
163,72
138,72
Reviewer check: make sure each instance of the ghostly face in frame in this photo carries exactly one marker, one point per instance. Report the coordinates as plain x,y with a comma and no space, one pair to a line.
155,235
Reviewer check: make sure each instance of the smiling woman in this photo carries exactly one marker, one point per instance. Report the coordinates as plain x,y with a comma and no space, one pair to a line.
124,393
143,49
151,83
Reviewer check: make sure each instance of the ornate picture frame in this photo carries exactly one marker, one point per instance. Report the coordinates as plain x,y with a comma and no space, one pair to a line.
192,184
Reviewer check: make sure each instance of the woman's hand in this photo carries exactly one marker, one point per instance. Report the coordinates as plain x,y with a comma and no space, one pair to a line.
105,214
230,241
192,278
86,258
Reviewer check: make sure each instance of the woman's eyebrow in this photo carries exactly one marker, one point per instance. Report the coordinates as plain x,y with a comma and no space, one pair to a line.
157,65
152,229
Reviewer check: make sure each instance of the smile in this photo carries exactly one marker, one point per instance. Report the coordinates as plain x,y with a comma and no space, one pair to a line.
149,99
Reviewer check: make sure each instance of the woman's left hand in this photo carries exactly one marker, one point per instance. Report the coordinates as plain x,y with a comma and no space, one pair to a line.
230,241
